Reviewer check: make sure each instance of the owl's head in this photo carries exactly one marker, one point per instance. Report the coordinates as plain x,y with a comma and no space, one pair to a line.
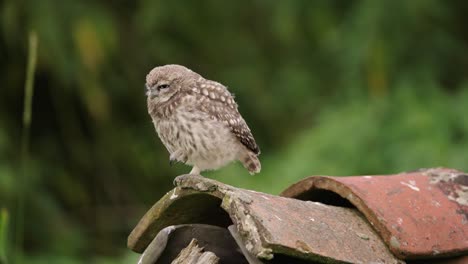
164,81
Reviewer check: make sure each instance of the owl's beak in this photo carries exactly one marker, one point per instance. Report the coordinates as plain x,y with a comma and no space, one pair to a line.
151,92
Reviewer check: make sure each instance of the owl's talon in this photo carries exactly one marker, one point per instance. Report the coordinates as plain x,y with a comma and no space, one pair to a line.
176,180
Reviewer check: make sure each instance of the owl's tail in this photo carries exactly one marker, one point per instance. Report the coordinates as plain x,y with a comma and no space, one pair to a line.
251,162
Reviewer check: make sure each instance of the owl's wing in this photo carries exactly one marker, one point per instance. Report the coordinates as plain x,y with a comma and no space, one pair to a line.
217,102
238,126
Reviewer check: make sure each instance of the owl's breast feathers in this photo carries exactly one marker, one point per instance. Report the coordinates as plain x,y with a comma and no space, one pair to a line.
165,109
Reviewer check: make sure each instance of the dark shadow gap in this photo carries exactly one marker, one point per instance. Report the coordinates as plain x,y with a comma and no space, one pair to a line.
325,197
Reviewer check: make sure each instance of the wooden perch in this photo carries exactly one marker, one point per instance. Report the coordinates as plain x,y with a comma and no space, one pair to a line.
193,254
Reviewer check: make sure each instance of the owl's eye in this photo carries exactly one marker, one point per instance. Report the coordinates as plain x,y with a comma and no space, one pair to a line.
163,86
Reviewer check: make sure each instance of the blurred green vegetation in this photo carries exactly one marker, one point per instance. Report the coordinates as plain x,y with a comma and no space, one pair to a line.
328,87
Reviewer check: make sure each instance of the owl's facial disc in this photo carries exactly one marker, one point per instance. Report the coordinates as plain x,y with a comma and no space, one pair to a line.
157,90
162,90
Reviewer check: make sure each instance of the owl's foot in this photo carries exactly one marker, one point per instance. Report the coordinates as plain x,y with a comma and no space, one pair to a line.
181,178
177,180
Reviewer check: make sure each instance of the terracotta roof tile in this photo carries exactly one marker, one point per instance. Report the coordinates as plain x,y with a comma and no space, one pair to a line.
419,214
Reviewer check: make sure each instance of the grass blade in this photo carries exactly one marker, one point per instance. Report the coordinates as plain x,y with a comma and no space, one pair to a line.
27,117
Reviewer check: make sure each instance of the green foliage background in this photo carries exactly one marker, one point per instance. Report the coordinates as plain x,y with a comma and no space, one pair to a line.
328,87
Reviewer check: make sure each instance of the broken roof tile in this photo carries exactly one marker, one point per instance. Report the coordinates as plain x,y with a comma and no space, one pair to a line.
419,214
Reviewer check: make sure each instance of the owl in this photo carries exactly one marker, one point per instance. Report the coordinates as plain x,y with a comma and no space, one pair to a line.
198,121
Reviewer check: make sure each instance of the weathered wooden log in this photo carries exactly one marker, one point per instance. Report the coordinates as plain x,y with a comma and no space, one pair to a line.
193,254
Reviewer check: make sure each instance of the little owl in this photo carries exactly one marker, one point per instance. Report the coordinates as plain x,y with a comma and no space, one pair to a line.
197,120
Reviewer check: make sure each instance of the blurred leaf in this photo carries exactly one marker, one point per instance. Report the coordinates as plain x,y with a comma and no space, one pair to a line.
89,46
